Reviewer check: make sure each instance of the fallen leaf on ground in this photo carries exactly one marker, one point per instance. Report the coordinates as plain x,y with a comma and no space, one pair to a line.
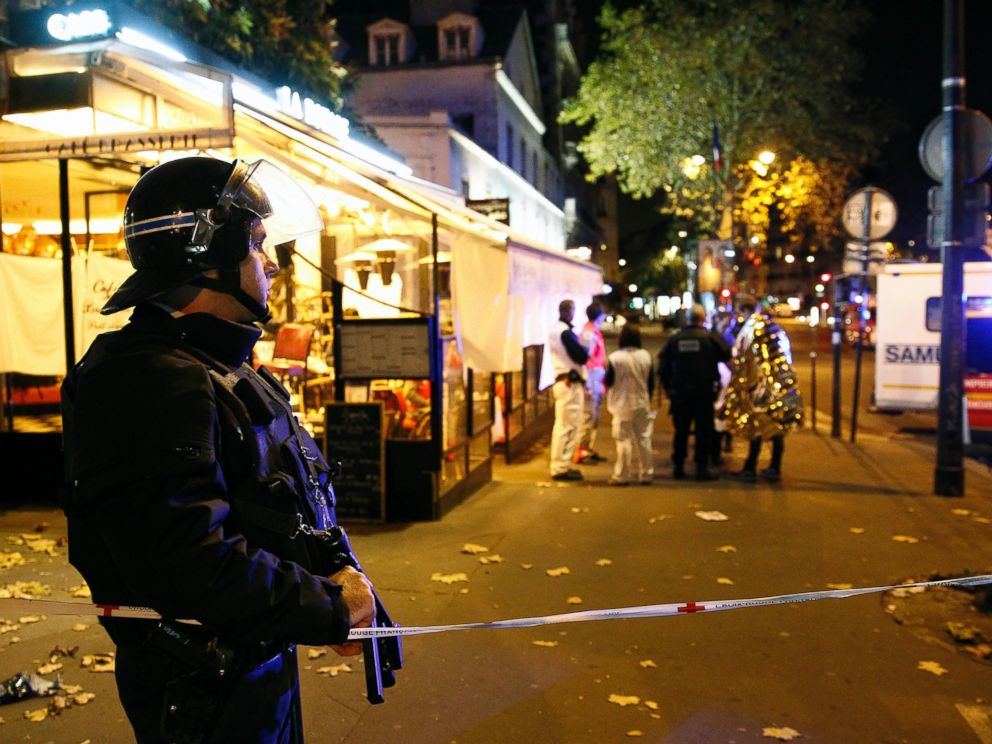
635,733
962,512
83,698
983,520
623,700
526,566
964,633
28,619
564,485
449,578
857,530
10,559
574,600
725,580
36,715
726,549
41,545
905,539
712,516
72,689
335,670
560,571
782,734
485,560
472,549
908,590
81,591
931,666
604,562
648,664
659,518
840,586
545,644
99,662
49,668
463,590
80,627
25,590
316,653
651,704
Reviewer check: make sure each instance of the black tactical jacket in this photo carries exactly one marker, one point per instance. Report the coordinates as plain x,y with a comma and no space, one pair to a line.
687,364
188,483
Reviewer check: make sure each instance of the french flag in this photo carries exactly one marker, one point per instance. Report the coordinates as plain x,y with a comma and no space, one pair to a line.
717,150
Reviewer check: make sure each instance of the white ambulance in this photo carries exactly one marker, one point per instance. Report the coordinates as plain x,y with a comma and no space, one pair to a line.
907,350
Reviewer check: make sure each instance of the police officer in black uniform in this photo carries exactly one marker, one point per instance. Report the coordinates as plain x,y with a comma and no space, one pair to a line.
687,366
191,488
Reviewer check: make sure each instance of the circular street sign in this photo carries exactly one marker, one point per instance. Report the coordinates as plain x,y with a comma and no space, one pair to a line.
857,220
978,158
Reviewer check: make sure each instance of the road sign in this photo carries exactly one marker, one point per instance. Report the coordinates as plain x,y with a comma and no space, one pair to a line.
978,138
869,213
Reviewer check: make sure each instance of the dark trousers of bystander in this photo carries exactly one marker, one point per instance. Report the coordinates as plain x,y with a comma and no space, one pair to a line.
778,449
696,411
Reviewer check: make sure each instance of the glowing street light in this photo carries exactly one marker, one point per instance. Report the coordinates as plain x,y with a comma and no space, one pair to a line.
766,156
632,288
789,258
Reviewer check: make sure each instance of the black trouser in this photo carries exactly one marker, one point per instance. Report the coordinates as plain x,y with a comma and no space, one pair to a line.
257,706
778,448
692,409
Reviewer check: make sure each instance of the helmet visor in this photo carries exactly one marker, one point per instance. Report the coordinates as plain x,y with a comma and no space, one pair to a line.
287,211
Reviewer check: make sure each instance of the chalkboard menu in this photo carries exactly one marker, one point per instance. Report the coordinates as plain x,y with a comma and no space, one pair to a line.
355,437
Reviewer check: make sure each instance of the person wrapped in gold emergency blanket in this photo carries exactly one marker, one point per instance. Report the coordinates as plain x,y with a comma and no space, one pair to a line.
763,399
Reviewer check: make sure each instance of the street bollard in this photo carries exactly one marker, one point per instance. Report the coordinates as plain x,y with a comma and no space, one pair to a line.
812,361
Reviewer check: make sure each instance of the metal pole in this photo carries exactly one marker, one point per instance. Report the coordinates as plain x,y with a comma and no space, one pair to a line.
70,334
862,304
812,361
949,471
835,339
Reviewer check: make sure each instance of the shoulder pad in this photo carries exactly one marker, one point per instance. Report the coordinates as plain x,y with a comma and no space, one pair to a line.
136,412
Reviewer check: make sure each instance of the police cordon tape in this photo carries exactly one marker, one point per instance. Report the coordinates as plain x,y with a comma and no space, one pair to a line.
57,607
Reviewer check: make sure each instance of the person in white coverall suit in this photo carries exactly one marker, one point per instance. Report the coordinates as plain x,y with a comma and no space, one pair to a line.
630,384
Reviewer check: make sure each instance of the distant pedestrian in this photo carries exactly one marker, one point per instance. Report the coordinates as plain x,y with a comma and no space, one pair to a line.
568,358
591,337
763,399
630,384
690,377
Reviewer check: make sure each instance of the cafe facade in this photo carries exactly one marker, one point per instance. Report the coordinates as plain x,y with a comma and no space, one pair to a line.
411,318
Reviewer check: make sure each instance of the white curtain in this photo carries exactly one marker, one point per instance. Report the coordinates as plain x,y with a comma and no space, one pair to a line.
32,326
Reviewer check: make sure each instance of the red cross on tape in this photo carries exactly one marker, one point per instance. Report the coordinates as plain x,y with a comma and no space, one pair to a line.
692,607
108,610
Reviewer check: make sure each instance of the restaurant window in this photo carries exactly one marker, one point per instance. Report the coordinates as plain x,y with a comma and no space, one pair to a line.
455,417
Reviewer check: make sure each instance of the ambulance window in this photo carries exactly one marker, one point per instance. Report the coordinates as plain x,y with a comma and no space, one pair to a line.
978,336
933,314
978,308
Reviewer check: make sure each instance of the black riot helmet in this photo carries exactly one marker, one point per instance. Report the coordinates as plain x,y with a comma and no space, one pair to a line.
193,215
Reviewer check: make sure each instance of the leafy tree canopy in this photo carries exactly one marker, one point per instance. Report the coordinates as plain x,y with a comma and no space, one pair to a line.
286,41
769,74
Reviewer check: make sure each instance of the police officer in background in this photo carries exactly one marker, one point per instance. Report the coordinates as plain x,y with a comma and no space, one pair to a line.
568,358
689,373
191,488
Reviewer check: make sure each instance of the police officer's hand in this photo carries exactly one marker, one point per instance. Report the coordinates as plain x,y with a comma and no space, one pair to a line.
356,591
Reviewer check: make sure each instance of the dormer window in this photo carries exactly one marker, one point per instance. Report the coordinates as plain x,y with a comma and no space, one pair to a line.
456,42
459,37
385,49
390,43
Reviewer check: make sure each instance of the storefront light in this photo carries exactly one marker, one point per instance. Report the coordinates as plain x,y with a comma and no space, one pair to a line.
12,228
140,40
582,252
76,122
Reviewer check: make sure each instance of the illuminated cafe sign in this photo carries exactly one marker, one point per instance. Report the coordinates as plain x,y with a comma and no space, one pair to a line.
311,113
92,146
496,209
82,25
